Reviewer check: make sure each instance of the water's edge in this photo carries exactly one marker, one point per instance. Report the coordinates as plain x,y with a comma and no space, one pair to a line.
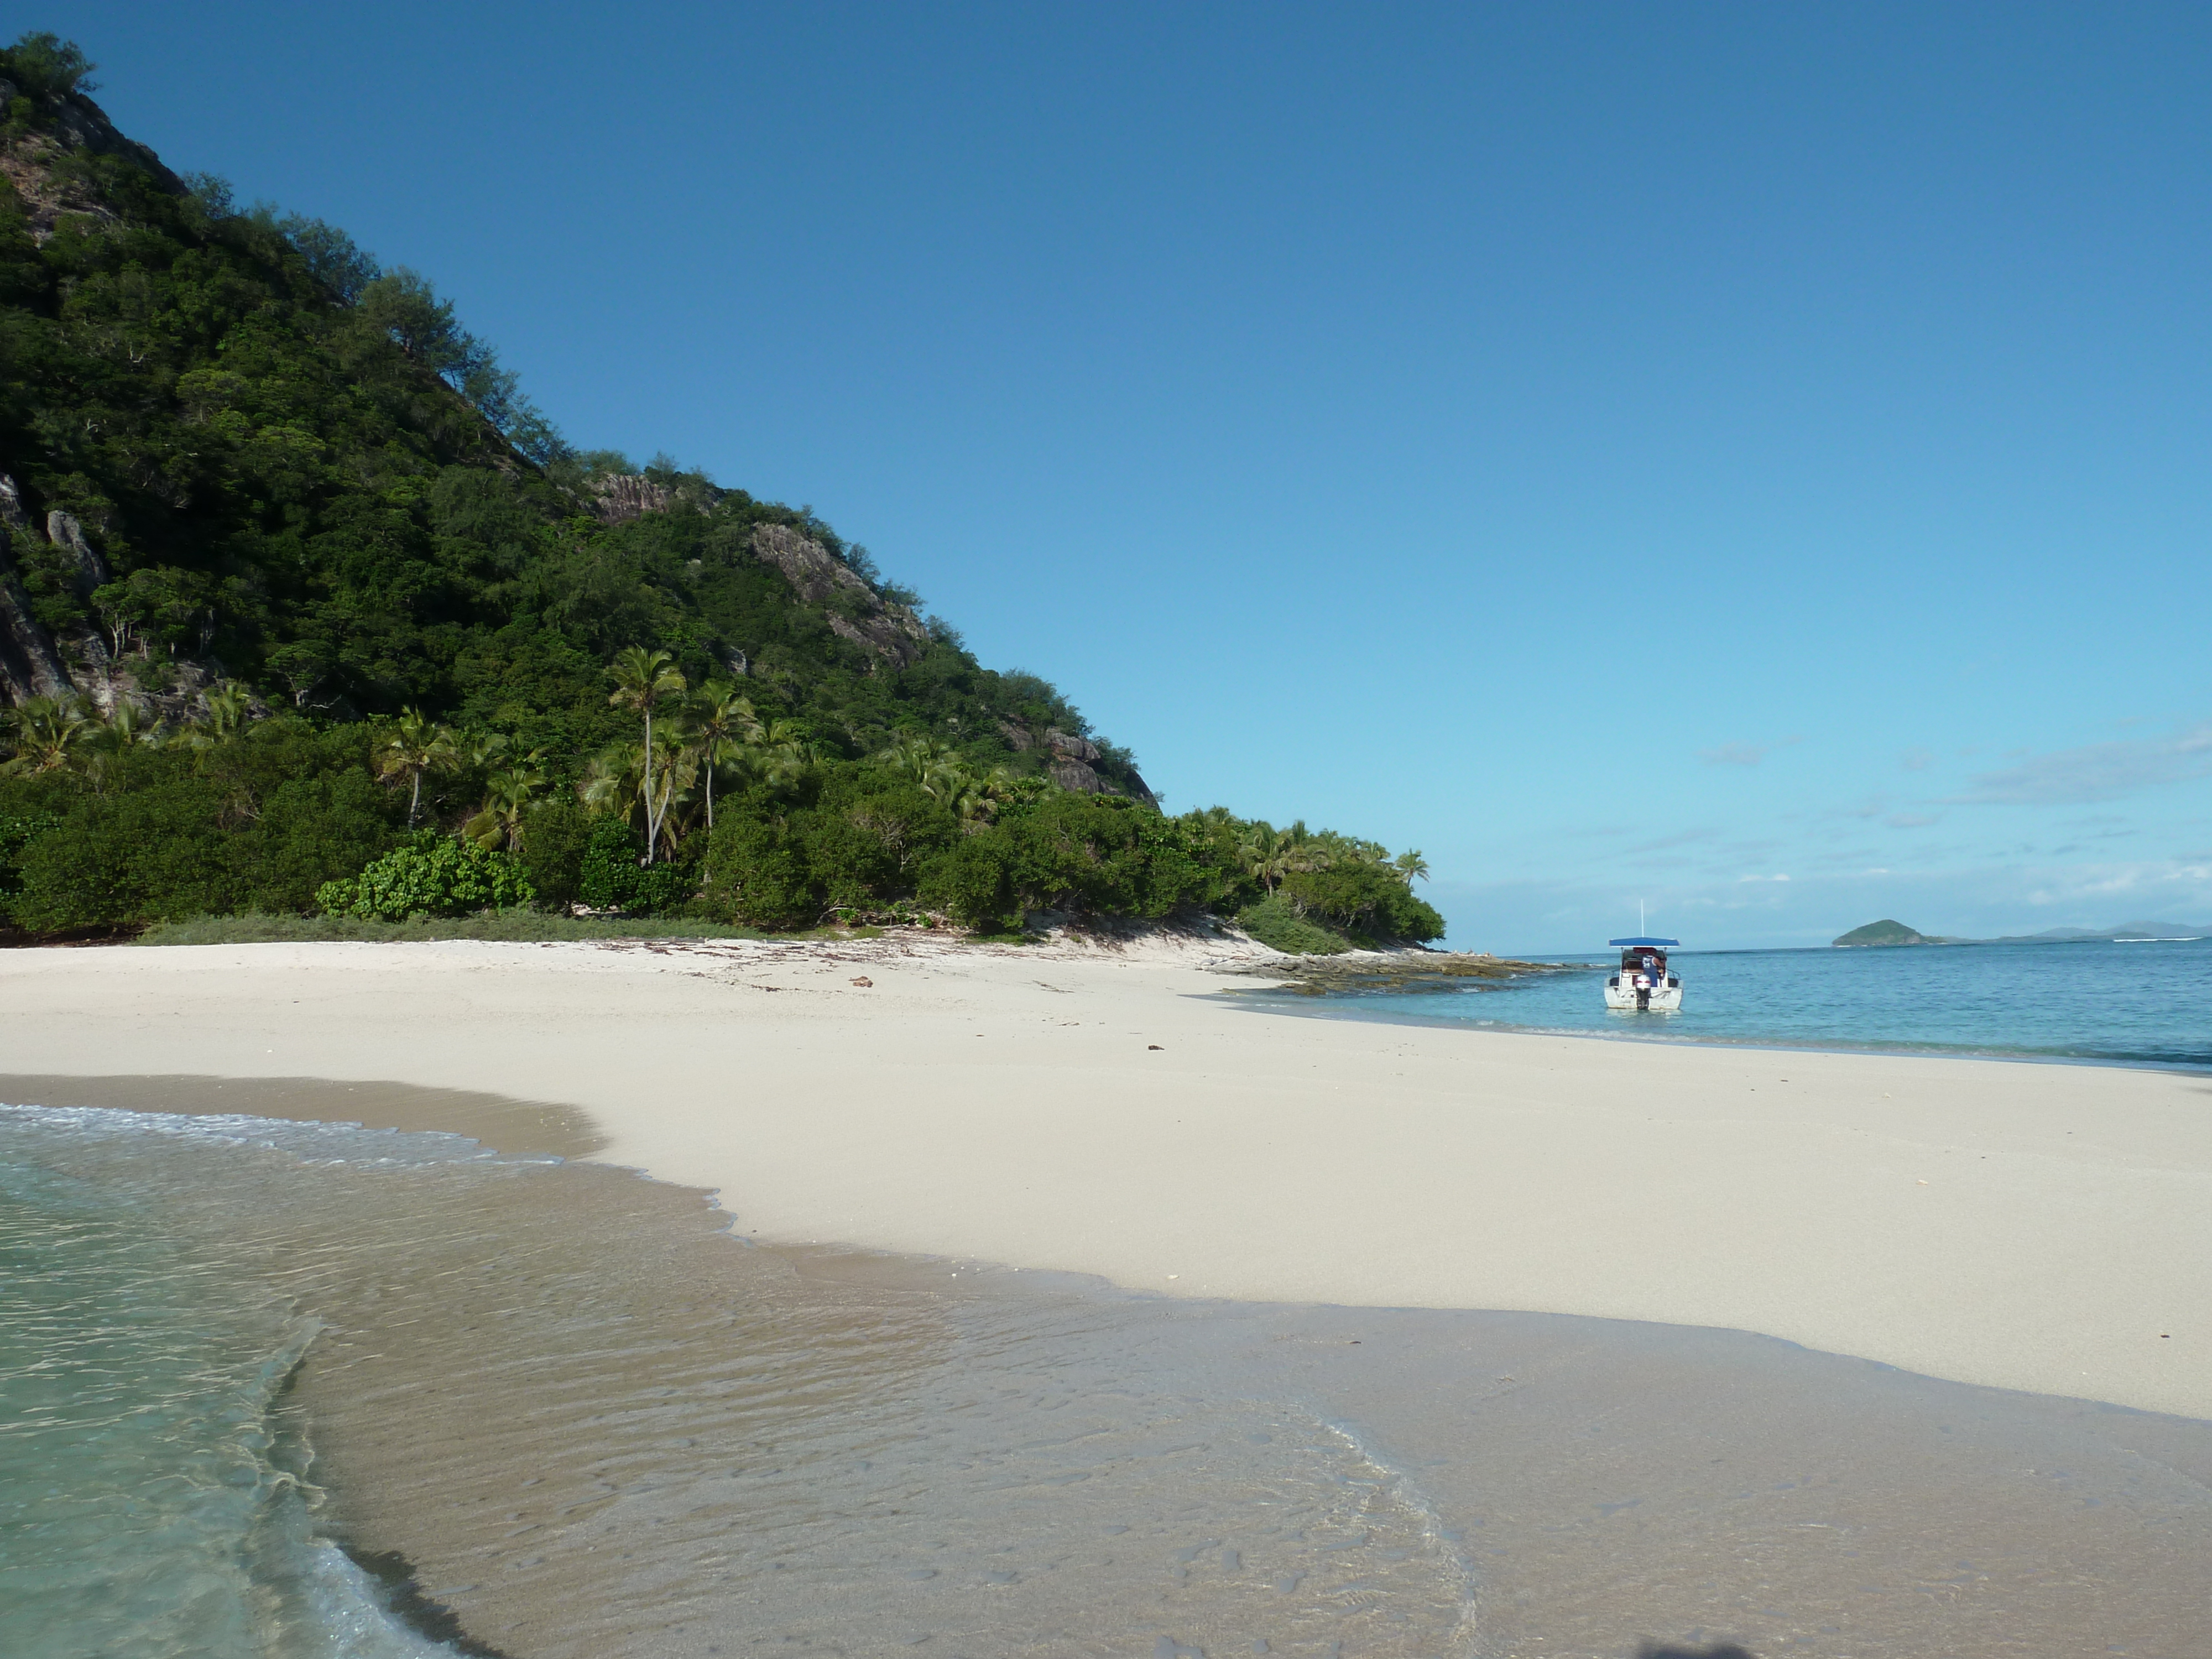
1462,1440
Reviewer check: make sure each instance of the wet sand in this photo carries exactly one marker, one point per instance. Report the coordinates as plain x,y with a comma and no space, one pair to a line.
2038,1227
589,1423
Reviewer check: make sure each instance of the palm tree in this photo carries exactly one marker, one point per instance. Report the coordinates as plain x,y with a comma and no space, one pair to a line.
127,728
1264,852
780,755
642,678
723,724
413,746
1410,864
507,795
45,732
614,782
226,707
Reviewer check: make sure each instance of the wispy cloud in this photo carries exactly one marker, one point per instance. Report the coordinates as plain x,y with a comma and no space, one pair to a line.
1911,820
1916,760
2096,771
1743,754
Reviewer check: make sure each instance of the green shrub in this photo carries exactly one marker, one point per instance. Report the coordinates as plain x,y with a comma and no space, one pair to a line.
556,835
1275,924
609,876
974,883
433,875
16,832
1368,900
757,872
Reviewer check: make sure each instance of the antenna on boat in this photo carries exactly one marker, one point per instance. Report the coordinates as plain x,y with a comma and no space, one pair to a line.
1641,926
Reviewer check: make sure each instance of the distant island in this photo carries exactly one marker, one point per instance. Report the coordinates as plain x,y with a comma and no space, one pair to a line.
1885,933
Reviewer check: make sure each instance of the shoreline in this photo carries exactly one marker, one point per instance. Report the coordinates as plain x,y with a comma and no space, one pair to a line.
832,1444
2042,1228
1315,1007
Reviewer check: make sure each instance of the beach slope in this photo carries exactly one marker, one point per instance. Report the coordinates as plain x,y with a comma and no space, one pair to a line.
1114,1112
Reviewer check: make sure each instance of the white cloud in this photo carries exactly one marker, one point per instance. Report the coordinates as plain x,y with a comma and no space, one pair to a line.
2096,771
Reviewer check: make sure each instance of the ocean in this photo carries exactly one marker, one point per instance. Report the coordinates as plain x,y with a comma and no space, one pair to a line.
2147,1004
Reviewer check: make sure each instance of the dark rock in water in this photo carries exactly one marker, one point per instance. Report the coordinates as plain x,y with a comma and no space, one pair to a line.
1395,970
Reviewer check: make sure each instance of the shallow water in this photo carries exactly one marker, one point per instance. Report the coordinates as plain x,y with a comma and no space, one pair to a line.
569,1415
2137,1003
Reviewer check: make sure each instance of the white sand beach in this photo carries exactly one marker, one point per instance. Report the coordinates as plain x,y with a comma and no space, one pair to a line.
2029,1226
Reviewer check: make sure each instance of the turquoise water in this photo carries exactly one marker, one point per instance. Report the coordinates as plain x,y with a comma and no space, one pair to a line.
2127,1004
153,1499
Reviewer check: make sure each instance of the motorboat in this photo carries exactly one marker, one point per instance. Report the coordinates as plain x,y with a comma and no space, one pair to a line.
1643,985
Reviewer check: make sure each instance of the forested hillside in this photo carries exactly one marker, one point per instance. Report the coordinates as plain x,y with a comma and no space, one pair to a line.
305,603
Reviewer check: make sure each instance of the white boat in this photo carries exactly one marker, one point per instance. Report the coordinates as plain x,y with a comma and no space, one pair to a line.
1643,985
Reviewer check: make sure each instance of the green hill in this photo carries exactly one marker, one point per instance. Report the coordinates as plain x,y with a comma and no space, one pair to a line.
296,572
1885,932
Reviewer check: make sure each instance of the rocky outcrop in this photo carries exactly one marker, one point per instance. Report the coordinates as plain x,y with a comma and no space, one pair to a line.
621,496
78,124
91,565
854,611
1071,766
29,664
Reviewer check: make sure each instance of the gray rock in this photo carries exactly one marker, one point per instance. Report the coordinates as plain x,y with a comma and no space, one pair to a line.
1073,748
65,532
623,496
11,505
1017,736
854,611
1078,778
29,664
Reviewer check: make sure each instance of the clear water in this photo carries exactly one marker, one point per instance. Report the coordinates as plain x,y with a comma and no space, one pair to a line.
2127,1004
152,1501
572,1419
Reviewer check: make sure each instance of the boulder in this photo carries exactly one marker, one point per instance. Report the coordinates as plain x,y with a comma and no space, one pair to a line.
1078,778
1071,748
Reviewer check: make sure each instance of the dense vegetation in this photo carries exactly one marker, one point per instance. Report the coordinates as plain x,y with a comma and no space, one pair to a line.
346,626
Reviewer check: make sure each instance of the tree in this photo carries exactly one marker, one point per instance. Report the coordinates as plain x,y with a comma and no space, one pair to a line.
642,678
1264,854
44,732
724,727
1410,864
507,795
413,746
46,66
225,709
128,727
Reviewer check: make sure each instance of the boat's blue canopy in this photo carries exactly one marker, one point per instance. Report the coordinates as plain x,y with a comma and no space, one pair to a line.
1644,941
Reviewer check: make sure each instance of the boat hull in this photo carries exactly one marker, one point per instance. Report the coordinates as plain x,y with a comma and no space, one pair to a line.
1660,1000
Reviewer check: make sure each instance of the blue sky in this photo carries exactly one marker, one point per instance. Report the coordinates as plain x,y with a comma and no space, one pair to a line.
1749,458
